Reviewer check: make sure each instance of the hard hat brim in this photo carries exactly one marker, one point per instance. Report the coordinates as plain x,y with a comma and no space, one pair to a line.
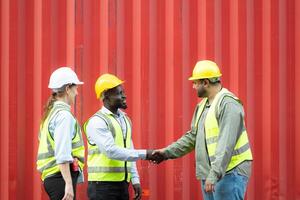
198,78
193,78
79,83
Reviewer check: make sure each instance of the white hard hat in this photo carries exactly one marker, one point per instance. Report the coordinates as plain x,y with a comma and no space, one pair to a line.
63,76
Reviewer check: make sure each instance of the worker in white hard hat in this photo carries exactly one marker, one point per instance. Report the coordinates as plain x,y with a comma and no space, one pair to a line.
60,157
219,137
111,155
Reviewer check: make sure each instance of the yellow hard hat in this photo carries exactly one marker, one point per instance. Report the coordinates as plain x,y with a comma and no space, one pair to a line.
105,82
205,69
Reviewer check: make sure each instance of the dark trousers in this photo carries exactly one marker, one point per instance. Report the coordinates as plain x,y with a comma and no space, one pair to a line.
106,190
55,185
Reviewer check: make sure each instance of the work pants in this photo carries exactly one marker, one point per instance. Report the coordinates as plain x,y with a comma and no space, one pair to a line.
107,190
55,185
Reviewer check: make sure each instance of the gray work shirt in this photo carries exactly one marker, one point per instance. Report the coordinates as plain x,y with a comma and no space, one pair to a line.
230,118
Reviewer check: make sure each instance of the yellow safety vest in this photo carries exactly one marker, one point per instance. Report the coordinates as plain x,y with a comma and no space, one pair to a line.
102,168
46,162
242,151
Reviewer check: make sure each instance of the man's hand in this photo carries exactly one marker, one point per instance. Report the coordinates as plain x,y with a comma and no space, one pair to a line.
137,191
149,154
209,187
156,156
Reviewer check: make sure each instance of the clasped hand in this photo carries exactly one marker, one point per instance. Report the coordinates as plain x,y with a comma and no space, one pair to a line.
156,156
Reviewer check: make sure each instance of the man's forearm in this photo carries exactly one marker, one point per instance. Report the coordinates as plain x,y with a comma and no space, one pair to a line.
182,146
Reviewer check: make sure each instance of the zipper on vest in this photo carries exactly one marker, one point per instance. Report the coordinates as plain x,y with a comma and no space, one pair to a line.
124,140
206,147
197,127
126,172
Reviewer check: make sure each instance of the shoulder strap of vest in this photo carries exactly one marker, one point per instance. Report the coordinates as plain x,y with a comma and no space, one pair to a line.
221,98
84,129
56,109
195,113
196,116
50,116
128,119
53,110
108,122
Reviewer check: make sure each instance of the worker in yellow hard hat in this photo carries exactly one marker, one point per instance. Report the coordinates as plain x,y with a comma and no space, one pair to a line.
60,157
111,155
219,137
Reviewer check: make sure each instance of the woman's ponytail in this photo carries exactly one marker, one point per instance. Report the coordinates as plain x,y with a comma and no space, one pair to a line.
48,106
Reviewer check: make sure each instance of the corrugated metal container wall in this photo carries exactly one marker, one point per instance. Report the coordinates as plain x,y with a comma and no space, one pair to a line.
153,45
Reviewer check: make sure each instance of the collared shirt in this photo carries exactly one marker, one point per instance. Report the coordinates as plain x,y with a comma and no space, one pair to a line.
231,121
99,134
62,130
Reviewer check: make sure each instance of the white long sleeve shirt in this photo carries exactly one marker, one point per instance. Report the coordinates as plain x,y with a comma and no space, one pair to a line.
98,133
62,130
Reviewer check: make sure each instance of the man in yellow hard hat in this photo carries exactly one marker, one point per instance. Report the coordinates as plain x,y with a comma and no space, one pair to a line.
219,137
111,155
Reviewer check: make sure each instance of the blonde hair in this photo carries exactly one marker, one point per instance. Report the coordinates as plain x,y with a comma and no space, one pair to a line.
58,92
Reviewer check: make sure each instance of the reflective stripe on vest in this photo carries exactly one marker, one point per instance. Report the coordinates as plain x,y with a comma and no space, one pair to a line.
107,169
46,162
242,149
102,168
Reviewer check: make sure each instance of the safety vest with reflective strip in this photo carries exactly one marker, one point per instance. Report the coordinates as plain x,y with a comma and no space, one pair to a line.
242,151
46,162
102,168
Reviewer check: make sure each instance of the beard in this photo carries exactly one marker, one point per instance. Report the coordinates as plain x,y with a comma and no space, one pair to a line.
201,93
123,106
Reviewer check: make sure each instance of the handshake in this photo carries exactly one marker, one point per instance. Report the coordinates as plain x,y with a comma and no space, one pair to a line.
156,156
